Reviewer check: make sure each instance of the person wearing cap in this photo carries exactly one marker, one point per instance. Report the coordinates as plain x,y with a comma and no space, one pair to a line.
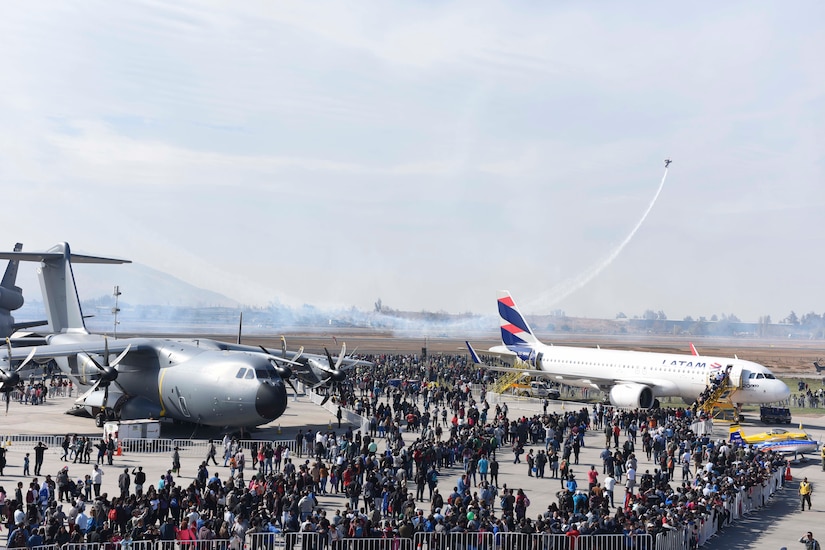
805,490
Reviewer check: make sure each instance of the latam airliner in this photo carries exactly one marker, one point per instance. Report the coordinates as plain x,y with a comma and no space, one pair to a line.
629,378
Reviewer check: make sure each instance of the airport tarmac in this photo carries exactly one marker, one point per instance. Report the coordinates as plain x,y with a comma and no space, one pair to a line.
779,524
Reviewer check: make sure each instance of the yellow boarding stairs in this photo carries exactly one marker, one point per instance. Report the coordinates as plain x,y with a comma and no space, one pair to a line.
719,405
506,381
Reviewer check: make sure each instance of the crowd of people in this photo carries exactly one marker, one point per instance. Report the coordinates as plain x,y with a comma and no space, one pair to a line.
429,463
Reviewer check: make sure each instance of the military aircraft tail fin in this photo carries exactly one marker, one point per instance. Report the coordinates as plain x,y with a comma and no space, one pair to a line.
819,368
10,276
57,284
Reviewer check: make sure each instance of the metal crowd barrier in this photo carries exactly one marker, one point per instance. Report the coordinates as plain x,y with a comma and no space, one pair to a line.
394,543
284,541
186,447
126,544
454,541
673,539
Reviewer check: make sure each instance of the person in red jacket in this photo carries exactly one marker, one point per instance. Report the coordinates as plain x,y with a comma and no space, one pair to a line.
185,534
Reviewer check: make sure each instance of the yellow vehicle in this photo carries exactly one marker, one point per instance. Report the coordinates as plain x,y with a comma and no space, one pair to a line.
774,434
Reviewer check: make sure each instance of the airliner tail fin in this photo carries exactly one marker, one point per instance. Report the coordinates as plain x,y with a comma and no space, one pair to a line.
514,328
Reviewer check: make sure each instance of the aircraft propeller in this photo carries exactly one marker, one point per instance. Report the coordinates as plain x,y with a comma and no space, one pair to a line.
334,373
10,380
108,371
283,371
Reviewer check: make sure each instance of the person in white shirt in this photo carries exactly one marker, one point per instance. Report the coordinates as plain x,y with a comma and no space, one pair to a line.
97,479
609,484
631,479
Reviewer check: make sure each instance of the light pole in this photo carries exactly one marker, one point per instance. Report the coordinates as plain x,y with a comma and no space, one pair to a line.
116,310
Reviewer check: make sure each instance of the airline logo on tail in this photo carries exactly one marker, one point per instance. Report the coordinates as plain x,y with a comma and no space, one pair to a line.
514,328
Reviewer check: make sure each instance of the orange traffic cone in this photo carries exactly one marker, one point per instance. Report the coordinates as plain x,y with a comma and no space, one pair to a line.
119,451
788,475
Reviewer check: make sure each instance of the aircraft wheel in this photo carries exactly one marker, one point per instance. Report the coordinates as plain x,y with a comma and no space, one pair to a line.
99,420
524,394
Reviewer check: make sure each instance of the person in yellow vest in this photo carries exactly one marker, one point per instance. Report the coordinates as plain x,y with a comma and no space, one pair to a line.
822,453
805,490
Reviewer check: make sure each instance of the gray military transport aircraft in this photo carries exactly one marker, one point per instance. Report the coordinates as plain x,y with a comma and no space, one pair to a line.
200,381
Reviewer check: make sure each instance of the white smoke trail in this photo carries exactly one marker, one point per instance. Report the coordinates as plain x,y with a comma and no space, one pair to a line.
568,287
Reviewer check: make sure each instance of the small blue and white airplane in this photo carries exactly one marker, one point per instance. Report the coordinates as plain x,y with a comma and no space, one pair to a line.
630,378
788,446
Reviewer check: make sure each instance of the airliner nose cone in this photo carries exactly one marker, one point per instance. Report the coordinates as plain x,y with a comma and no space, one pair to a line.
785,392
270,401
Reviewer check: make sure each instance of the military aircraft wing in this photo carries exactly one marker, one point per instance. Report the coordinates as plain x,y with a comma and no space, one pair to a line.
98,346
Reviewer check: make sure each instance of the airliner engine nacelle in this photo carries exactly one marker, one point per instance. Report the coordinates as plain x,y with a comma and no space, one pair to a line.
632,396
10,299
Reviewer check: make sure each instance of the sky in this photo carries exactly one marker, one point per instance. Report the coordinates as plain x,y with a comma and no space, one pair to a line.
427,153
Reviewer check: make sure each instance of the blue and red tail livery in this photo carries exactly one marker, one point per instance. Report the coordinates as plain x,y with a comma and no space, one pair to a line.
514,328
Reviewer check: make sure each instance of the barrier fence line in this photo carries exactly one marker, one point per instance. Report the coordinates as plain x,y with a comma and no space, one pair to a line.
454,541
186,447
278,541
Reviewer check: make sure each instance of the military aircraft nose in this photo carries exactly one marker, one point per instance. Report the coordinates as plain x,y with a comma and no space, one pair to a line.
270,401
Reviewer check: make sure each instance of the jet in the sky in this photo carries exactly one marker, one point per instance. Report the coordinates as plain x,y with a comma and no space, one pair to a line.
200,381
667,162
630,378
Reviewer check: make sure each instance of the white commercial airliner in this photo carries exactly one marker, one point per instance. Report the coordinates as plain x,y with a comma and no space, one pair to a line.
629,378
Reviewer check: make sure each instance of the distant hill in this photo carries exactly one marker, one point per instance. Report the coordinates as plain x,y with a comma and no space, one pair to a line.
142,285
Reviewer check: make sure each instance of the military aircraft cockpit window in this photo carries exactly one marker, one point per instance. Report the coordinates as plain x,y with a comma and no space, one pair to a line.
266,374
241,372
250,374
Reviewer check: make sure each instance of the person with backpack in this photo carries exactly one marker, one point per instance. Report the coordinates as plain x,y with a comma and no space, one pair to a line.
432,481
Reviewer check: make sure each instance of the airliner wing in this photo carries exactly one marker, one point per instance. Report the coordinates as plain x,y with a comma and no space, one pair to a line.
659,386
504,355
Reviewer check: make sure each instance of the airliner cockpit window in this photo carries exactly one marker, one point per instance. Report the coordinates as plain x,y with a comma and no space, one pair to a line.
769,376
250,374
760,375
241,372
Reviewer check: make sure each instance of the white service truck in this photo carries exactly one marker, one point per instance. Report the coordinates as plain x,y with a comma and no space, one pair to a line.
132,429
